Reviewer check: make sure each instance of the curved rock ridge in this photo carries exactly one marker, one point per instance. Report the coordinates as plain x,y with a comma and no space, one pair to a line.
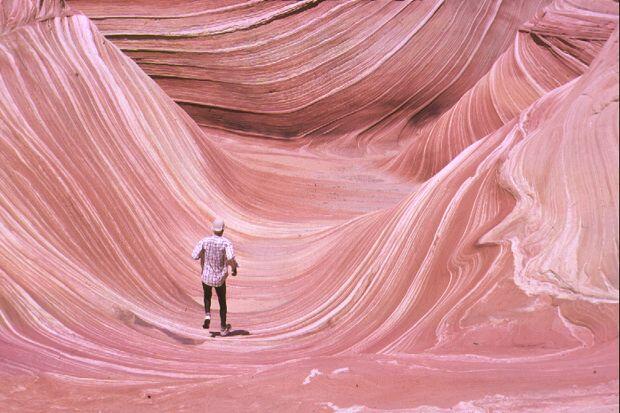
561,40
17,13
441,237
573,218
227,69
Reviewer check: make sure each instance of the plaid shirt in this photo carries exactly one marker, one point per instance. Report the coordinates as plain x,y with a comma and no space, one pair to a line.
218,250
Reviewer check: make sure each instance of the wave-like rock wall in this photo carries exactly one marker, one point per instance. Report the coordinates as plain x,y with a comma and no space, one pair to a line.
555,46
271,68
442,236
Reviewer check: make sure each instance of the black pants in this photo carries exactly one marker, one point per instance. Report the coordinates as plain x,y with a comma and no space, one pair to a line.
221,298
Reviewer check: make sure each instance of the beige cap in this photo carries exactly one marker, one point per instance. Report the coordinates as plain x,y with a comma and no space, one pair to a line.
218,225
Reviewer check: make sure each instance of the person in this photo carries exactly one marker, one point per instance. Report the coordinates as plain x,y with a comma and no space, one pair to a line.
216,254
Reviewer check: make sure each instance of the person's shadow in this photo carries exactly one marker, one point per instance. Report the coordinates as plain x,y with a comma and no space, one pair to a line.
232,333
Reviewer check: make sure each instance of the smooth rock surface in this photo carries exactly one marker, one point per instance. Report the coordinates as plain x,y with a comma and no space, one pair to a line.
437,231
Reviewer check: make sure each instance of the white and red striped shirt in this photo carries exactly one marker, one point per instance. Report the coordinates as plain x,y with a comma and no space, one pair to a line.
218,251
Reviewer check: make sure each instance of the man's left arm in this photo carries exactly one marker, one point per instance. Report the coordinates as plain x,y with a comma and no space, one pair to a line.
198,252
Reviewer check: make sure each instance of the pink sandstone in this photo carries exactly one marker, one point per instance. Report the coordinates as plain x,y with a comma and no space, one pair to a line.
434,227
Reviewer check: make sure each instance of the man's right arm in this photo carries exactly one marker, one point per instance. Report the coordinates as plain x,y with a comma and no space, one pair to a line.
233,265
230,258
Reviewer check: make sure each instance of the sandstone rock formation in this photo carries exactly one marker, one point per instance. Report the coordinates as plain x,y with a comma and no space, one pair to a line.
435,227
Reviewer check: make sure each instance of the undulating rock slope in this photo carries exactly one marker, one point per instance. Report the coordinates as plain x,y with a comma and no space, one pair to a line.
434,229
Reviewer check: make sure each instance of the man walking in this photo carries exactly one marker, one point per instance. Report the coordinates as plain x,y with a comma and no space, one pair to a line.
216,254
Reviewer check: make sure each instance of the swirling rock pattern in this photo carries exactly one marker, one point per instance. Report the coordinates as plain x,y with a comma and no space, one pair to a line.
440,235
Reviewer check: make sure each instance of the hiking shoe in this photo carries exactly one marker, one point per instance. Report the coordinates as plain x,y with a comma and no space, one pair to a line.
207,321
225,330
